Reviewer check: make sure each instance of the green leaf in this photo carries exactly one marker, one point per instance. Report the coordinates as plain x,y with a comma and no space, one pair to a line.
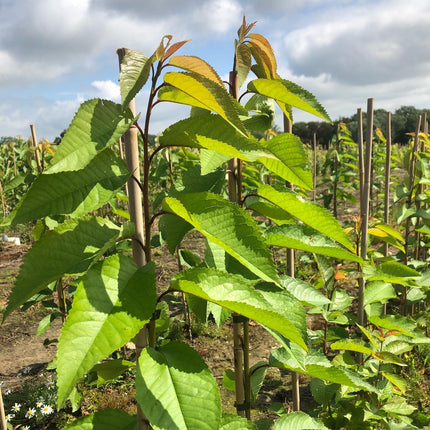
73,193
352,346
399,406
227,225
378,291
46,322
135,68
289,93
196,65
262,115
396,380
308,239
391,231
269,210
290,162
210,95
372,338
304,292
298,421
211,160
326,270
114,300
317,366
70,249
212,132
97,125
322,392
391,271
276,310
176,389
388,357
258,373
234,422
108,419
229,380
173,230
172,94
394,322
111,369
243,62
309,213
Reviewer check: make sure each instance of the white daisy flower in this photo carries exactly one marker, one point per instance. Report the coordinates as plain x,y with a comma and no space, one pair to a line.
9,417
50,384
47,409
16,407
30,413
7,391
26,428
26,370
39,404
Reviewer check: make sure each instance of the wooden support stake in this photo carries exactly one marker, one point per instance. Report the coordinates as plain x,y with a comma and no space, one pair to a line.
360,156
242,378
295,386
418,237
2,414
387,176
36,149
136,217
315,167
408,205
365,213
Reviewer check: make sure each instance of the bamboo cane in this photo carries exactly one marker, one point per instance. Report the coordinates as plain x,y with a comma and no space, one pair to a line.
387,183
417,250
3,201
240,350
36,149
360,156
365,214
315,167
387,176
408,205
2,414
136,216
295,386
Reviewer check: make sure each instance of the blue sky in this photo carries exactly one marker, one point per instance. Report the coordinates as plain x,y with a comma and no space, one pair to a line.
54,54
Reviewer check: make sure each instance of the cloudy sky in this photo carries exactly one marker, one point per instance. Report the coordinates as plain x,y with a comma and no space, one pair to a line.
54,54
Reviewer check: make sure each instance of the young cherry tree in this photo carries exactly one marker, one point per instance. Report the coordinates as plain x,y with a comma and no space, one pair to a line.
117,297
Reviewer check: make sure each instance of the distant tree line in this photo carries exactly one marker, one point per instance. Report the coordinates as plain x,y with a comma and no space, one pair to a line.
403,121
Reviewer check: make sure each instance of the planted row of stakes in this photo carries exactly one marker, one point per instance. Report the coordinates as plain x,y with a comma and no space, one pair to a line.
209,173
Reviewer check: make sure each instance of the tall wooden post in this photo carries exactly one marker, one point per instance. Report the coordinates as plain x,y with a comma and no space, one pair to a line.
136,217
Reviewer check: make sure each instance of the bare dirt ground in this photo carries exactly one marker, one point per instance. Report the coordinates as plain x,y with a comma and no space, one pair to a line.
20,348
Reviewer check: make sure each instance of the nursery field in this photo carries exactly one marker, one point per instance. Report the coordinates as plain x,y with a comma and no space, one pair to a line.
223,275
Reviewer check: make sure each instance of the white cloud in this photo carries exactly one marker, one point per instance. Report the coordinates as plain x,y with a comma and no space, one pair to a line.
363,44
49,117
107,90
217,16
63,51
